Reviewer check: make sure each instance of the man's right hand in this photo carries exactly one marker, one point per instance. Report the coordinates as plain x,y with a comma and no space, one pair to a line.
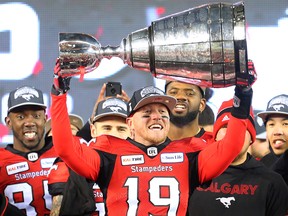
60,84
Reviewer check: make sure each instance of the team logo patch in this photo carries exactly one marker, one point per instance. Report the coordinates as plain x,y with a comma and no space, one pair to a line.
278,107
33,156
26,93
152,151
114,105
172,157
47,162
16,168
150,91
226,201
225,118
53,167
132,159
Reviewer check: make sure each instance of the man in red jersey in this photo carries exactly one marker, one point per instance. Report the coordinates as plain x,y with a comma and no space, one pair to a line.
25,163
147,174
109,119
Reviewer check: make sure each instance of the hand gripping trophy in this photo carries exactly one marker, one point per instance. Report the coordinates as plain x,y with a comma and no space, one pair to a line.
205,45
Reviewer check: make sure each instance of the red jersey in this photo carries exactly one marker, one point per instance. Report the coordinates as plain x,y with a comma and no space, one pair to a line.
57,179
205,135
24,178
140,180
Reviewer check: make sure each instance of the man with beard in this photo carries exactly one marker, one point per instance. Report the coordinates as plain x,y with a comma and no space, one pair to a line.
24,164
184,117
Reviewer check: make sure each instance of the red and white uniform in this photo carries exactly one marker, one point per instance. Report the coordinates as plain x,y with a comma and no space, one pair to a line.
139,180
24,178
57,179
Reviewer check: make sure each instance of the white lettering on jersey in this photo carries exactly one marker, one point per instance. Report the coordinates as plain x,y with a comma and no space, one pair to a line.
151,169
132,159
17,167
172,157
47,162
32,175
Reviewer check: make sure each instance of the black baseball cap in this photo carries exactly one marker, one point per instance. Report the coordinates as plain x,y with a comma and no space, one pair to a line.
260,127
148,95
25,95
111,106
277,105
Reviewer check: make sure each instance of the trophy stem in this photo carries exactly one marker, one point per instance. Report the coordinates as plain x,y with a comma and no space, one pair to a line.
111,51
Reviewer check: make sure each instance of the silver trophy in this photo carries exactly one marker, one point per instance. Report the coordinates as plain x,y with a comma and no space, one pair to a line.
205,45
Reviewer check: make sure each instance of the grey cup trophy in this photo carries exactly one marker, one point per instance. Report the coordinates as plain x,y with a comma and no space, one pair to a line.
205,45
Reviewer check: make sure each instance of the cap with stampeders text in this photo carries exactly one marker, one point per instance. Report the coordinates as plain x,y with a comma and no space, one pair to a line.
277,105
25,95
149,95
111,107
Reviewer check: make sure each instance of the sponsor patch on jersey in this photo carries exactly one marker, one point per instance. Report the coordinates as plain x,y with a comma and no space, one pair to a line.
172,157
33,156
47,162
17,167
132,159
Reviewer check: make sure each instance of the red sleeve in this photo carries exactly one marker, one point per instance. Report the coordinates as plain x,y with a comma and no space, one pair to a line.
83,160
58,173
217,156
57,178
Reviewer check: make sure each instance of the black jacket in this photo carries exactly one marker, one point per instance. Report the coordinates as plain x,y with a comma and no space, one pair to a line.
246,189
281,166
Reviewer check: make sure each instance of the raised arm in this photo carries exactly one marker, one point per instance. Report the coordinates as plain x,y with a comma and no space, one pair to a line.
82,159
214,159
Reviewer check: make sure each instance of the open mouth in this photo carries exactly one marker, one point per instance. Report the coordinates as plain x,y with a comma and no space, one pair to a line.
156,127
278,143
180,107
30,134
